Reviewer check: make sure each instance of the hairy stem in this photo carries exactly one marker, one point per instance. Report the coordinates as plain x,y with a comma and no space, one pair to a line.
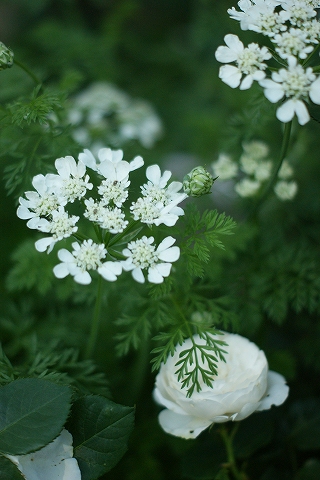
28,72
283,153
95,321
228,442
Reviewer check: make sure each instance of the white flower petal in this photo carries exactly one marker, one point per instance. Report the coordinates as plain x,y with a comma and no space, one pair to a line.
183,426
230,75
52,462
234,43
225,54
61,270
83,278
42,244
277,391
88,159
314,92
138,275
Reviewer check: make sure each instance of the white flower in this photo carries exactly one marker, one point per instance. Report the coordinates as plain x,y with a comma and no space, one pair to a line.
71,182
146,211
139,121
157,190
247,187
259,16
256,149
286,190
142,255
85,257
296,84
248,164
286,171
263,171
52,462
293,43
242,386
110,219
61,226
40,203
224,168
111,156
249,61
298,11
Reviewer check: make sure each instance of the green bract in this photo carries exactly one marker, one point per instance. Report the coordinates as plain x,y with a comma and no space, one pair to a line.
6,57
198,182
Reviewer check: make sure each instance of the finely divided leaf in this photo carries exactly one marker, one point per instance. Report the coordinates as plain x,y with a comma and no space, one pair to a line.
32,413
100,430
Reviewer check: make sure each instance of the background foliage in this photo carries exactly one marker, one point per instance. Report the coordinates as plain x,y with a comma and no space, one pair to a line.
264,285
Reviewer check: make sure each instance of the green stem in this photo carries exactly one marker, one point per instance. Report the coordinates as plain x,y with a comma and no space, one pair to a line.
28,72
228,442
283,153
95,321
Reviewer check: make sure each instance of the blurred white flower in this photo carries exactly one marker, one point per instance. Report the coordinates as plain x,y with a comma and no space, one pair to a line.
297,85
224,168
249,62
286,170
286,190
143,255
52,462
104,114
242,386
247,187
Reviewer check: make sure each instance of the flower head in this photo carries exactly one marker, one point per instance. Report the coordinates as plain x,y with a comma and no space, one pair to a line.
242,386
143,255
71,182
50,462
249,62
6,56
286,190
296,84
60,226
39,203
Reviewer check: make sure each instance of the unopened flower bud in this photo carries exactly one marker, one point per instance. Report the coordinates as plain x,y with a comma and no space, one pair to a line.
198,182
6,57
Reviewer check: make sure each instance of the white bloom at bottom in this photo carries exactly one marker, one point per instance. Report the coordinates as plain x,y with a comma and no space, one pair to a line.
54,461
143,255
242,386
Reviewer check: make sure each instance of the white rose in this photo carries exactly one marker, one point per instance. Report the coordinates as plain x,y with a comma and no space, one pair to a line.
243,385
50,462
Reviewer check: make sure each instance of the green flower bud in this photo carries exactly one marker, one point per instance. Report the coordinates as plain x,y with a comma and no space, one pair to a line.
6,57
198,182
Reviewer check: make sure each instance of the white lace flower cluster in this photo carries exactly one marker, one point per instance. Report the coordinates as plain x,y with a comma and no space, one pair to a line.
253,170
103,113
294,30
46,210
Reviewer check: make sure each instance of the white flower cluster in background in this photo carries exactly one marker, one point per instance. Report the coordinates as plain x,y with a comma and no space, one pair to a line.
243,385
114,217
103,114
294,31
253,170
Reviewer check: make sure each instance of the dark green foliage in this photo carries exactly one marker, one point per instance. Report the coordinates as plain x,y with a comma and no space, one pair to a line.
33,413
100,430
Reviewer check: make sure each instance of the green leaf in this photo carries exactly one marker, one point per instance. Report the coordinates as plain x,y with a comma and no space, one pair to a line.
8,471
100,430
32,413
306,424
254,432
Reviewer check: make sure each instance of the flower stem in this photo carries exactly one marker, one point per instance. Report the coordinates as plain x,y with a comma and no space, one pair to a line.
95,321
228,442
283,153
28,72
